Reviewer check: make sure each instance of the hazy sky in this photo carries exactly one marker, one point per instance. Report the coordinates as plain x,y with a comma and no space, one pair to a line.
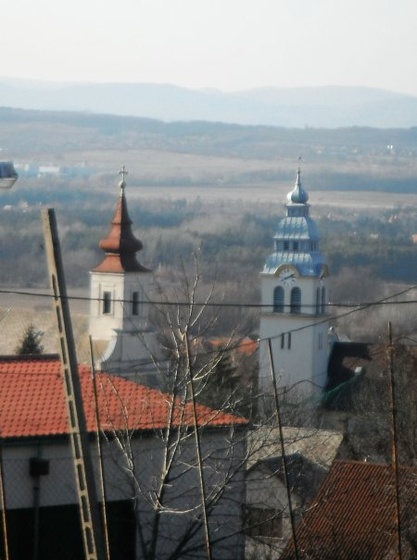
224,44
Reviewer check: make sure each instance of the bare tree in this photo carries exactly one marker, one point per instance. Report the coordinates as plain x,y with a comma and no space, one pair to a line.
364,403
189,477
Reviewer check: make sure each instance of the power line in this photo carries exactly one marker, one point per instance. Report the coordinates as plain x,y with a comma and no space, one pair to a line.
355,309
240,343
354,305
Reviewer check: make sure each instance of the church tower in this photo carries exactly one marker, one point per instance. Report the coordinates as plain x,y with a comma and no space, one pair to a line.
119,308
294,295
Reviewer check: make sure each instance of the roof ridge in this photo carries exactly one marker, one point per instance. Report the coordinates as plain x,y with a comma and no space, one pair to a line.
372,464
29,357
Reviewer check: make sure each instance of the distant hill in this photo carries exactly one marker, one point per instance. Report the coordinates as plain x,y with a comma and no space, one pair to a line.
320,107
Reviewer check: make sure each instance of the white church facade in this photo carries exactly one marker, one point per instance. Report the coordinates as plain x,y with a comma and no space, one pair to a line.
124,342
294,323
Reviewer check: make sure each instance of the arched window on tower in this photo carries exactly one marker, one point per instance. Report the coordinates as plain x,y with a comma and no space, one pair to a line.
278,300
318,302
296,300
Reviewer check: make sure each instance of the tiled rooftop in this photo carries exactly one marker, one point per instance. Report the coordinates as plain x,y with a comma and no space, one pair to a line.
354,515
32,401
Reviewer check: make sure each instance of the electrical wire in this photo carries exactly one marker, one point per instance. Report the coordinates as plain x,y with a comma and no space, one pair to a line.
241,343
383,301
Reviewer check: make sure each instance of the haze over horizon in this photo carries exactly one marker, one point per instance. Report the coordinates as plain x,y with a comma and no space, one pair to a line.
230,46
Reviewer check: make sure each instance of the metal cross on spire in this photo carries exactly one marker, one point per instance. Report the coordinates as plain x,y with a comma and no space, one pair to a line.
298,181
123,173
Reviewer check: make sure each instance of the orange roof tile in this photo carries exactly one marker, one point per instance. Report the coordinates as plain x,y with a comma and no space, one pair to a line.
354,514
32,401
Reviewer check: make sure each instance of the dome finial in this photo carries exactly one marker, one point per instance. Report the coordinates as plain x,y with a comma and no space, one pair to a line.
298,182
122,183
298,195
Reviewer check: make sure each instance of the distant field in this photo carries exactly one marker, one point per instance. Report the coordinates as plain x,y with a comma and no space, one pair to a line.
276,194
18,311
40,299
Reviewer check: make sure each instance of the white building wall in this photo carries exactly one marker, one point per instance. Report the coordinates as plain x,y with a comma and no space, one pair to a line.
298,340
135,475
133,347
121,288
266,491
307,285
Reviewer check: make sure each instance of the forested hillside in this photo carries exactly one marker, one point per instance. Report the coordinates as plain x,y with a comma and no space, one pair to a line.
231,237
328,107
206,154
223,192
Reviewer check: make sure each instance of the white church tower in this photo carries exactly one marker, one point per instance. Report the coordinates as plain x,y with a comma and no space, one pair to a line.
294,324
122,338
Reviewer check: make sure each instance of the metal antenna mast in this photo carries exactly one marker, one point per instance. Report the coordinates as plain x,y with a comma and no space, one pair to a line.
90,517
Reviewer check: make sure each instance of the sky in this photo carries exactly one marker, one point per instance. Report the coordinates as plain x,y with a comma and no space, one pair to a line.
230,45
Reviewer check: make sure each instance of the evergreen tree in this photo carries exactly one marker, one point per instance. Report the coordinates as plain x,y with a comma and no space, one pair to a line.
220,386
30,342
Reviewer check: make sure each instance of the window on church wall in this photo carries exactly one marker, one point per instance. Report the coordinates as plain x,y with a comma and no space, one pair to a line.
296,300
295,246
278,300
318,303
323,299
286,337
106,303
286,245
135,303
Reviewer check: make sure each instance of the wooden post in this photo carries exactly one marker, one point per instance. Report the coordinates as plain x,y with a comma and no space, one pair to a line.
394,437
3,506
86,489
284,457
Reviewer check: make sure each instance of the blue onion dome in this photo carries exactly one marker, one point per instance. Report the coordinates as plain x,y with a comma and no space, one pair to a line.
297,238
298,195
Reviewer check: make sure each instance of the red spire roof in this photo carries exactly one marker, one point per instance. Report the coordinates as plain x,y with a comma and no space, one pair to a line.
121,245
32,401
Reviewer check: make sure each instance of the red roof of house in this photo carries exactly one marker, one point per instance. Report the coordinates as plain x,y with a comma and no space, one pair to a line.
32,401
245,345
354,515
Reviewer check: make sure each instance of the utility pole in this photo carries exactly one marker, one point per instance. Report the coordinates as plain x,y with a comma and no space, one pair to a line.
5,551
91,527
284,457
394,437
